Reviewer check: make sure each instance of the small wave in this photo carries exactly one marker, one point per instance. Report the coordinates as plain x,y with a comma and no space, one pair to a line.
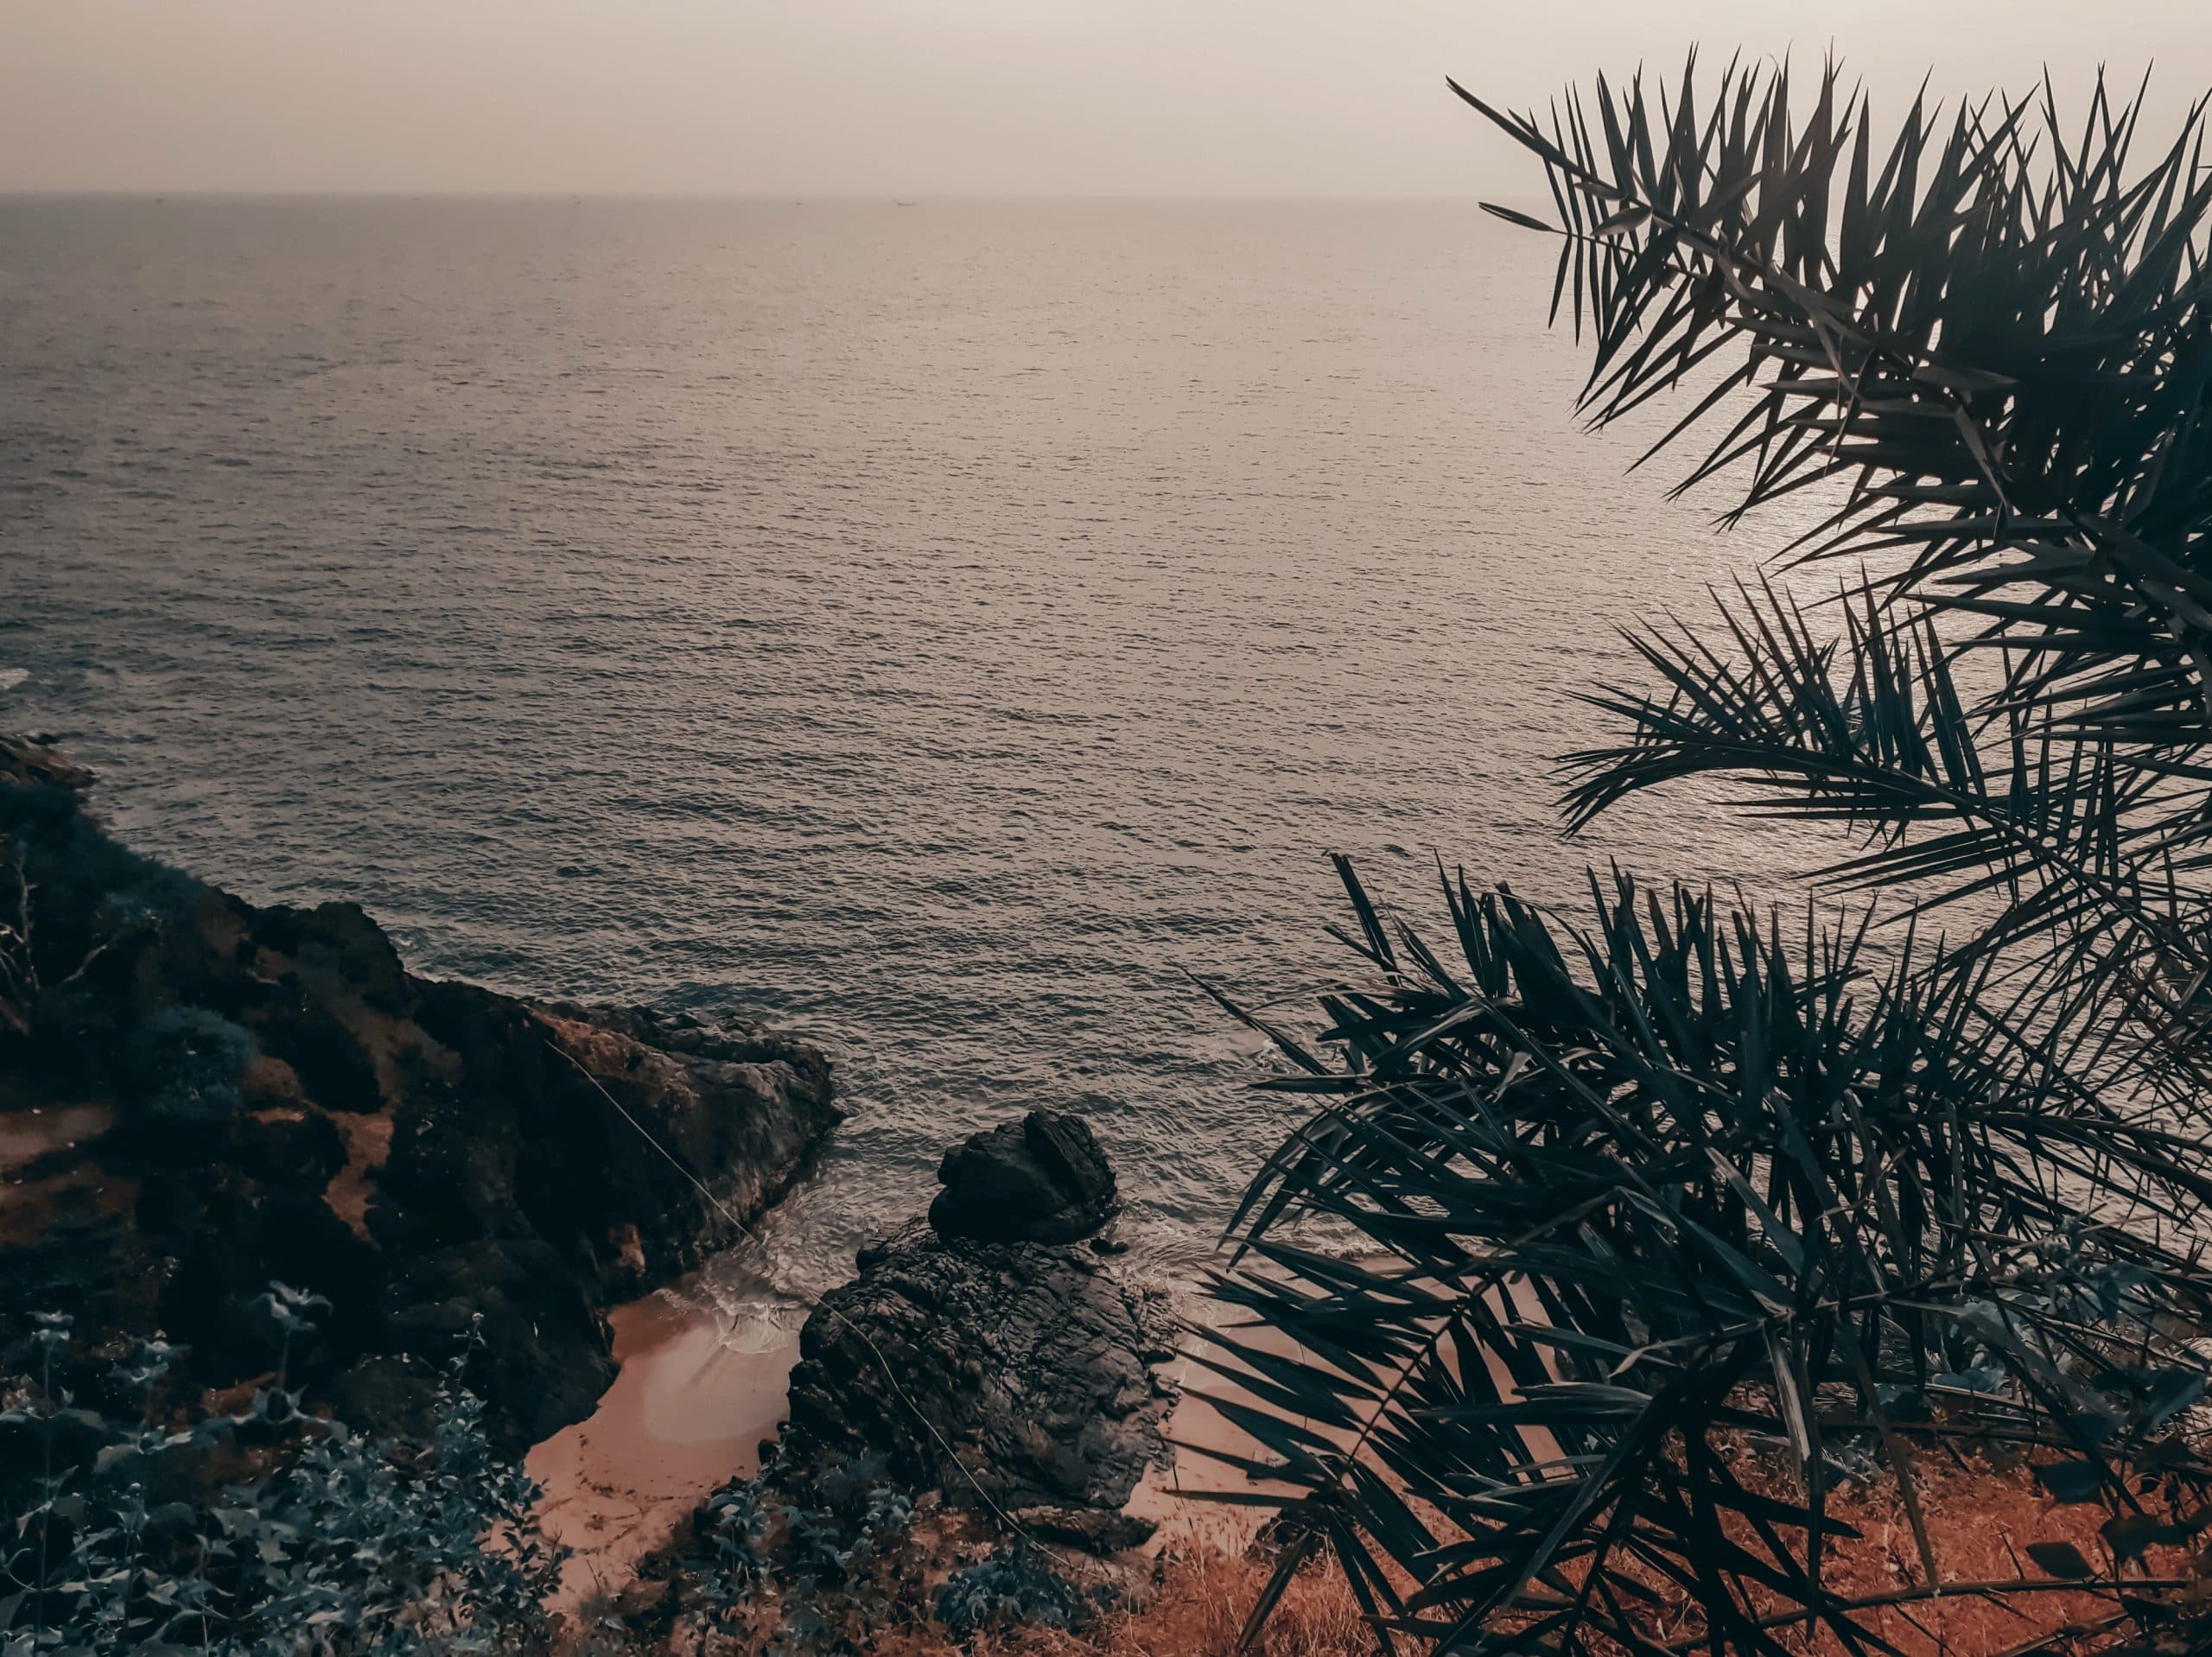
750,1316
765,1328
10,677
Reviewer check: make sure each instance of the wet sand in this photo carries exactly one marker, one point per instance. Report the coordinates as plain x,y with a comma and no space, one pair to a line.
1174,1496
686,1413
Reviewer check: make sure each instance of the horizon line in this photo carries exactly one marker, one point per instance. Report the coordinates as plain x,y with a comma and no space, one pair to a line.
137,193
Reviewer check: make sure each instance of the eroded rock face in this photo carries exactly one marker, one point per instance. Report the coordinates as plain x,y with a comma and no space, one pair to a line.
1042,1179
266,1092
1026,1368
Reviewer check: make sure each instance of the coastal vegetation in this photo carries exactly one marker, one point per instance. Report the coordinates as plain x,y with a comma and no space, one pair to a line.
198,1095
1684,1221
267,1529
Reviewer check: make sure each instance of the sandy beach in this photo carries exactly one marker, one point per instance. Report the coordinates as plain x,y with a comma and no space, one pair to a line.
690,1405
687,1412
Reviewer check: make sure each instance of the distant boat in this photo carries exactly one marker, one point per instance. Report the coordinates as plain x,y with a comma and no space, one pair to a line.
902,204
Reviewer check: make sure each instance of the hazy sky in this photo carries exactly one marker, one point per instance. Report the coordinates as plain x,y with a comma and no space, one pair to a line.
922,97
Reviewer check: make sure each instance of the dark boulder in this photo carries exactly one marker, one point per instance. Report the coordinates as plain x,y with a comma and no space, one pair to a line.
535,1325
35,761
1042,1179
290,1147
1016,1376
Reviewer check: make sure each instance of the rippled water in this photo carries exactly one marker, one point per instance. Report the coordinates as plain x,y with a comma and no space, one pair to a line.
936,627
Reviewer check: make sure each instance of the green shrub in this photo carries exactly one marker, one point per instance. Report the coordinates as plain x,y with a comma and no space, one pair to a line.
1015,1587
810,1555
343,1546
185,1066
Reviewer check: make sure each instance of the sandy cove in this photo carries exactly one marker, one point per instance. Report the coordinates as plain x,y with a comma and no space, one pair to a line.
688,1411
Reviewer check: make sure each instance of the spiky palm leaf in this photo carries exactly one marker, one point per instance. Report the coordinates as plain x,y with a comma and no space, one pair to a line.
2059,852
2007,355
1641,1197
1645,1191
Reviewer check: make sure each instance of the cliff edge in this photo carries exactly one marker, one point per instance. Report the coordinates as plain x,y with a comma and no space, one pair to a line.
199,1095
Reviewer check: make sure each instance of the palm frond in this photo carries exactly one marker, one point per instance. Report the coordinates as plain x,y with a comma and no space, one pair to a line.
1676,1215
1998,338
1671,1215
2056,856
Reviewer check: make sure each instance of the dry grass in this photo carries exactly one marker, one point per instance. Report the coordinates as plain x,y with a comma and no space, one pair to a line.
1195,1597
1202,1594
1981,1521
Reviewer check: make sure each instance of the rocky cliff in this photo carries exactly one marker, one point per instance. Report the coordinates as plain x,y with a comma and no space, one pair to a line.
198,1095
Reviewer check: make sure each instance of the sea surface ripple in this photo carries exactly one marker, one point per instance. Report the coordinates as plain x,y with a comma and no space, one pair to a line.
937,628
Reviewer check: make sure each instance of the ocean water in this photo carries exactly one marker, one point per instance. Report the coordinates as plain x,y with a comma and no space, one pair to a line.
939,628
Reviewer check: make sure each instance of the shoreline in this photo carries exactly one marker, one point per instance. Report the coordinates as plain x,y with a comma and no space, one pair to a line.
685,1414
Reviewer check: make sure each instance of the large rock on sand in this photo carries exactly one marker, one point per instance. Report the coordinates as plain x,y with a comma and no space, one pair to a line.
1017,1375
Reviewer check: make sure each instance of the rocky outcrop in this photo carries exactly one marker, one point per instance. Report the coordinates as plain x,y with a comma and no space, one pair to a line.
198,1095
1007,1372
1042,1179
